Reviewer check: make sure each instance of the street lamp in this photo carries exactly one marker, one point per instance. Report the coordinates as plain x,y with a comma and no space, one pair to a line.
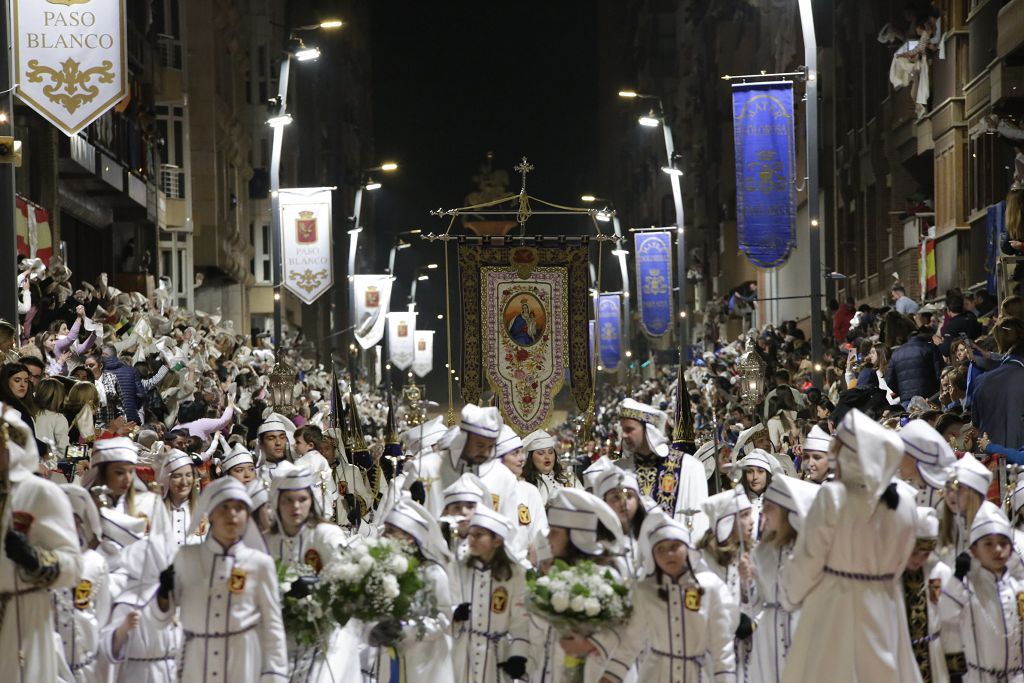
620,253
398,246
421,276
281,118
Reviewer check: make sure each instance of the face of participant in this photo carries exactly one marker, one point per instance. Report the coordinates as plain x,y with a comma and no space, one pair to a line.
558,539
119,477
515,461
670,556
625,502
543,460
633,436
397,534
228,521
302,446
181,483
757,479
293,508
478,449
745,520
917,559
464,511
483,543
244,473
772,516
817,465
18,384
273,445
993,552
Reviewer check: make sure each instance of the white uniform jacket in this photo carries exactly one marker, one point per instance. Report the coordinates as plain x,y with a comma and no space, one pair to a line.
180,519
150,653
79,612
230,613
497,627
775,624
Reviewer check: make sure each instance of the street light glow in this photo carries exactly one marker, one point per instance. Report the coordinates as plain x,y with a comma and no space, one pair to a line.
588,198
603,216
423,277
371,186
331,23
389,166
431,266
671,170
649,120
307,54
279,121
628,94
620,252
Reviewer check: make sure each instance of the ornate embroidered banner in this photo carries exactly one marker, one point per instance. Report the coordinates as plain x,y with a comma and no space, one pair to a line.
423,362
69,58
401,333
763,132
609,325
372,298
654,281
525,321
306,241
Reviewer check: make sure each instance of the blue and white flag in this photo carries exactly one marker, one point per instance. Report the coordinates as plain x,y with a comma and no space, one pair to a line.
609,325
763,130
654,281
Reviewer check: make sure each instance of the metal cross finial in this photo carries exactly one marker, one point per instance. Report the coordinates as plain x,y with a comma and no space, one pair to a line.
523,168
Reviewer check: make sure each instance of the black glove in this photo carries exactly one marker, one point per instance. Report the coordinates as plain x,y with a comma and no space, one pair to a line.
891,496
385,633
515,667
302,586
746,627
418,492
21,552
461,612
963,565
166,583
353,511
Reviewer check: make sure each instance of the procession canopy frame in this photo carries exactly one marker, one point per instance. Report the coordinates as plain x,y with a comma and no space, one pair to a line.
522,210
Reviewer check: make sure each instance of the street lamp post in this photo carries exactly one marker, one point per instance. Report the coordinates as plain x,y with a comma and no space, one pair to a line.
298,50
368,184
620,253
421,274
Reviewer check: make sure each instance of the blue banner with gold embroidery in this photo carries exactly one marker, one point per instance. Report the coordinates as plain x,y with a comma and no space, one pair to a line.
609,326
763,131
654,281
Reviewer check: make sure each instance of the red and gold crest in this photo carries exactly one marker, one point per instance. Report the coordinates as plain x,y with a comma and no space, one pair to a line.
372,299
1020,605
668,483
421,345
499,600
83,594
495,499
237,581
524,514
305,228
312,558
691,599
203,527
934,589
21,521
403,328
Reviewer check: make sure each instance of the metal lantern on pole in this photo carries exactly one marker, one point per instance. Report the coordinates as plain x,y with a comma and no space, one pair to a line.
751,370
282,386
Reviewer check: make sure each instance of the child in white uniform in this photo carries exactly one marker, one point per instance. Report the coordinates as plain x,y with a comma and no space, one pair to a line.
922,582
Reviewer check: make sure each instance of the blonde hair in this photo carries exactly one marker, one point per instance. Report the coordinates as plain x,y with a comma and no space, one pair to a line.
82,394
724,553
1014,208
947,525
782,536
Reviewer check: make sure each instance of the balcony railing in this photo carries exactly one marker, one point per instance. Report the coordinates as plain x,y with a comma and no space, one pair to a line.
171,181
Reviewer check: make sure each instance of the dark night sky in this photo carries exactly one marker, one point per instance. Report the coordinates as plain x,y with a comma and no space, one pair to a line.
453,80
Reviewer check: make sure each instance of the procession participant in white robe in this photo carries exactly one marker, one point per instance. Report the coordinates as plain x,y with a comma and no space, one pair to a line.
81,610
726,549
984,602
300,535
814,461
274,444
674,479
922,583
424,460
112,464
181,493
582,527
227,593
594,472
757,467
1017,519
308,441
238,463
620,490
927,461
543,468
786,503
843,572
967,488
41,552
138,641
490,622
418,651
470,448
261,514
683,618
461,501
531,518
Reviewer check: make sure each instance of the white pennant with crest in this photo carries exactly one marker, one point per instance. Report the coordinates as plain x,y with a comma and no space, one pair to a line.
306,241
372,297
401,346
423,362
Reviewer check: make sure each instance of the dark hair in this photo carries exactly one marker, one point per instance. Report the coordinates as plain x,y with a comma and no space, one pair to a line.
6,372
34,362
899,288
500,565
955,301
311,434
531,474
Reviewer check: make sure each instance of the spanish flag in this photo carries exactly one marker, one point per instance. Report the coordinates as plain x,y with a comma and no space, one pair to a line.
926,267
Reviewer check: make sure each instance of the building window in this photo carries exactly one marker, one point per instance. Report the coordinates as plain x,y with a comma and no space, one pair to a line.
259,266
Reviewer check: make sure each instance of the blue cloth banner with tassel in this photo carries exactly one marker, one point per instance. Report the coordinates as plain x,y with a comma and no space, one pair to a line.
609,325
654,281
763,132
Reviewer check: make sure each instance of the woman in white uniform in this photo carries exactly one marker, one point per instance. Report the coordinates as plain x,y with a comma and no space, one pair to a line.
621,491
299,535
543,469
531,518
181,494
966,490
490,623
757,467
227,593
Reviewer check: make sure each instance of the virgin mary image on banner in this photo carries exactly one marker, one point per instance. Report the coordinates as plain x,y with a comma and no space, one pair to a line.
524,319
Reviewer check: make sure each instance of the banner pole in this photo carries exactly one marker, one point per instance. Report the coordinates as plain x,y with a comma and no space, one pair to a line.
8,229
811,64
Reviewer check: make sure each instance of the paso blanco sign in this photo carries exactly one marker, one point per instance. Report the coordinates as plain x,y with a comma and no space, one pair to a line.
69,58
306,241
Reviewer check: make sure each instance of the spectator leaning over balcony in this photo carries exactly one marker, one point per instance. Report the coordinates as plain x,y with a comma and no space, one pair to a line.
901,302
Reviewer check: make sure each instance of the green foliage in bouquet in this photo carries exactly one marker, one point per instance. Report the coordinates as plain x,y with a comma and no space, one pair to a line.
583,597
305,619
374,579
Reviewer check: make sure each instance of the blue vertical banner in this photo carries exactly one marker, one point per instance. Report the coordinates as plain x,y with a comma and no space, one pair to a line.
654,281
763,130
591,325
609,325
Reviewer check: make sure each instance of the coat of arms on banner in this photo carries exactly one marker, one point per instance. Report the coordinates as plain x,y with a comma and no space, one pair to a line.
305,227
372,297
523,330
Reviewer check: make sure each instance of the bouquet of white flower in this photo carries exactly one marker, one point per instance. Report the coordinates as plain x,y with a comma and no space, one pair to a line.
374,579
578,599
305,618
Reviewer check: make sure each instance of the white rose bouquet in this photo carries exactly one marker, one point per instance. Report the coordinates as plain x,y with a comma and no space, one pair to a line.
305,618
578,599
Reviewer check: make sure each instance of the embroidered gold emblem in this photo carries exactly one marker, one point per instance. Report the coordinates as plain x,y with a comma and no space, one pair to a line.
312,558
524,514
691,599
237,581
83,594
499,600
495,498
